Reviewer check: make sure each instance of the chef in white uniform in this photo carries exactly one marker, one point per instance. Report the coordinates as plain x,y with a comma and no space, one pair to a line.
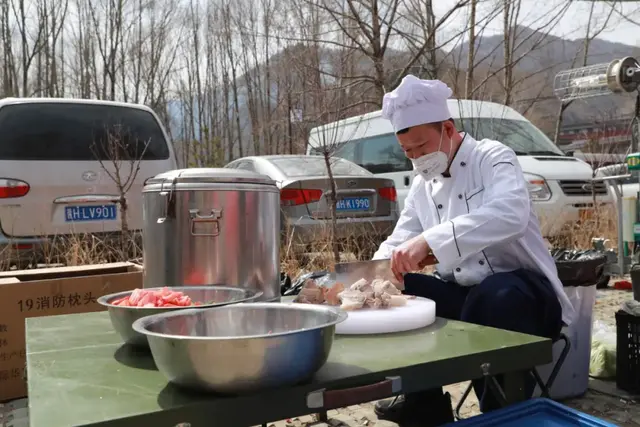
468,213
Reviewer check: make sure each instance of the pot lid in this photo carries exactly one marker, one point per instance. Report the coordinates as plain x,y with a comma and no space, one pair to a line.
218,175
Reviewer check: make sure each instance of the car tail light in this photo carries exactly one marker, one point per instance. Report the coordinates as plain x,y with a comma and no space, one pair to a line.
388,193
10,188
294,196
22,246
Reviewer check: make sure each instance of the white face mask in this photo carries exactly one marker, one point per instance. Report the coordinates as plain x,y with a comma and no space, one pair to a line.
433,164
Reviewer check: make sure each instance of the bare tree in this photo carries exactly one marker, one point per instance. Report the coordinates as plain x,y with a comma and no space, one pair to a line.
371,27
519,42
253,73
458,67
10,75
472,50
218,63
119,153
420,31
232,63
257,30
22,11
53,14
107,17
330,103
323,101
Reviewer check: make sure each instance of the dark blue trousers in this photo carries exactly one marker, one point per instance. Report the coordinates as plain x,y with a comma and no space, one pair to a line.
520,301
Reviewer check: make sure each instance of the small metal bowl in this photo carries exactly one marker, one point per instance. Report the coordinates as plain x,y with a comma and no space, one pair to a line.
215,296
242,348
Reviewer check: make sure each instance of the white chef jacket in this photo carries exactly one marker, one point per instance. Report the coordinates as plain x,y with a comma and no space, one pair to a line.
479,221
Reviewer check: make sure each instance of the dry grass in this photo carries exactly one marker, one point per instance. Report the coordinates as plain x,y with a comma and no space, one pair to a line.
578,235
297,255
75,249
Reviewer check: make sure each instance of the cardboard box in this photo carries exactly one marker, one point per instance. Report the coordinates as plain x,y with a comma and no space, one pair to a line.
50,292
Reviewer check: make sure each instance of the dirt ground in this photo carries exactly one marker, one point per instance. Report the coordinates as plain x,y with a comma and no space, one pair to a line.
606,403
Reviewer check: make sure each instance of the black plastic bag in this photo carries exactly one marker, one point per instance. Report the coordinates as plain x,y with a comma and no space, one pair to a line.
285,283
294,288
580,268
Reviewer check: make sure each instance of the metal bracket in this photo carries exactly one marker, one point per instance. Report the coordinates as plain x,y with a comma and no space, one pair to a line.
616,263
491,382
170,201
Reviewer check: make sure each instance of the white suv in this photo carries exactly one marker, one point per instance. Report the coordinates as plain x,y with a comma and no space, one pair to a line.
59,163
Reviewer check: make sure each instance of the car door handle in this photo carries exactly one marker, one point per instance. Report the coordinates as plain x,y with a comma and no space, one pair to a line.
407,181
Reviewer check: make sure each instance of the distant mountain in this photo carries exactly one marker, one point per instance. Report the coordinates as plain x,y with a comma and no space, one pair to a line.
548,54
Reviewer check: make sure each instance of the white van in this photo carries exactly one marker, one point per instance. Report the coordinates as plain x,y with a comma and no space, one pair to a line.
58,161
560,186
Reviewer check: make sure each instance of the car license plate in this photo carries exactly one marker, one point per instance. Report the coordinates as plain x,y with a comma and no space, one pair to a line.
90,213
353,204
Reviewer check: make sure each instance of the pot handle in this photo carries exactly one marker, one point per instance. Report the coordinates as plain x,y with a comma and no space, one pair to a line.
210,222
332,399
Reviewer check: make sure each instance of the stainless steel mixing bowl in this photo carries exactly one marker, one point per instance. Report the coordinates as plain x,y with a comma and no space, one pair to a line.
242,347
210,296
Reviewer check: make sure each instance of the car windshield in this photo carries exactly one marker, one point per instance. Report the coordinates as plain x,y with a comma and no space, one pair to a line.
315,166
69,131
521,136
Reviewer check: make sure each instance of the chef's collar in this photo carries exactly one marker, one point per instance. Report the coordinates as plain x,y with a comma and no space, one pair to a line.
461,158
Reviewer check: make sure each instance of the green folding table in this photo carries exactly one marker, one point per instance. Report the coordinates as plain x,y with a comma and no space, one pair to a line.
79,374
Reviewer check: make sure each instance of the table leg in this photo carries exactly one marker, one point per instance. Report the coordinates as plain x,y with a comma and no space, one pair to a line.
514,386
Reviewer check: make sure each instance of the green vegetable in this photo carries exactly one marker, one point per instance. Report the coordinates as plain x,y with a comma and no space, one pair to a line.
603,359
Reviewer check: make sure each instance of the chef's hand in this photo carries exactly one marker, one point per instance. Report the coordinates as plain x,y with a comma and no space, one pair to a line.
413,255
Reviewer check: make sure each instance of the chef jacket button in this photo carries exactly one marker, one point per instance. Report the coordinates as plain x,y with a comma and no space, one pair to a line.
481,262
463,164
458,270
435,180
460,196
439,206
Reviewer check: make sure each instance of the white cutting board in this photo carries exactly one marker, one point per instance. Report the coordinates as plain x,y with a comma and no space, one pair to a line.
418,313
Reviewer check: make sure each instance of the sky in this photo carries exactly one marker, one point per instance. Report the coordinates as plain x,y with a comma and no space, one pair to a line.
572,25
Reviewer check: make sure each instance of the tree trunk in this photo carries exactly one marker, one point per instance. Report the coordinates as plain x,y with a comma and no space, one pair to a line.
334,201
468,86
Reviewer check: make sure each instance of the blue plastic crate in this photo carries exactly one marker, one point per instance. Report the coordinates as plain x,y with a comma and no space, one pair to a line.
534,413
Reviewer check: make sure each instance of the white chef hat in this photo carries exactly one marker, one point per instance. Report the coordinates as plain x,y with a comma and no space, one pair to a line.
416,102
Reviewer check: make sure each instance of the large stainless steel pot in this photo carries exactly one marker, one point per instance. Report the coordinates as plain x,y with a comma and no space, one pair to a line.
212,227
